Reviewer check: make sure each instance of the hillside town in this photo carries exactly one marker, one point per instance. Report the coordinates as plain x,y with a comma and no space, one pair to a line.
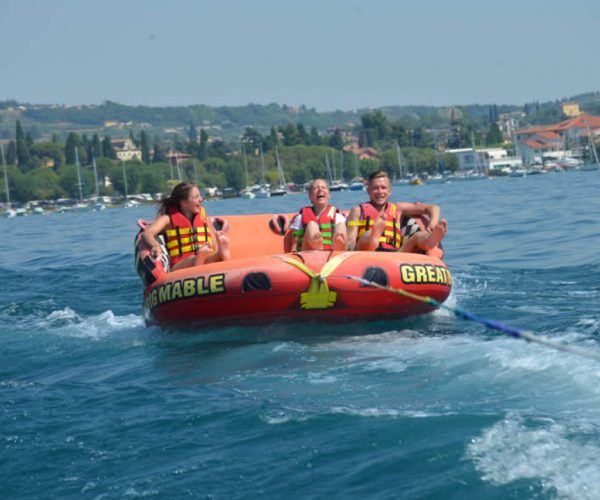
108,171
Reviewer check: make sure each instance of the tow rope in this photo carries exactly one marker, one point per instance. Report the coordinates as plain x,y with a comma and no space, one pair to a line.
491,324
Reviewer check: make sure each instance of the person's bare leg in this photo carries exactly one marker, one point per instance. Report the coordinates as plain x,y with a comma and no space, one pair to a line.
312,239
203,254
340,237
435,236
424,240
224,252
370,240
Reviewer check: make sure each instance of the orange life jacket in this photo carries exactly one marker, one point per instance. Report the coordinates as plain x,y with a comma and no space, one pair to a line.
326,222
184,238
391,239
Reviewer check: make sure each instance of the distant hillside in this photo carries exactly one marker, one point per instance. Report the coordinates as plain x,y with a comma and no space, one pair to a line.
228,122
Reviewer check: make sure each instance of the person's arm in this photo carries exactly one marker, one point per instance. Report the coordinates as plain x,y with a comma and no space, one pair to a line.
152,231
419,209
213,236
290,242
352,229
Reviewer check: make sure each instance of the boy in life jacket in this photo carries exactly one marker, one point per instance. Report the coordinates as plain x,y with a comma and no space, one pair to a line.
318,227
190,236
375,225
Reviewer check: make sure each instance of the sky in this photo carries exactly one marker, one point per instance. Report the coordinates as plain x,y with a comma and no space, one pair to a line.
326,54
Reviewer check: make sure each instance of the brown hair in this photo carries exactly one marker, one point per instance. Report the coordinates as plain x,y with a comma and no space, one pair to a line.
180,192
378,174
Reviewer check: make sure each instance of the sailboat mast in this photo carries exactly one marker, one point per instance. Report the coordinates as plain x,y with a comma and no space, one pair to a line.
333,173
328,169
5,179
78,174
280,169
262,164
124,179
95,174
398,154
245,163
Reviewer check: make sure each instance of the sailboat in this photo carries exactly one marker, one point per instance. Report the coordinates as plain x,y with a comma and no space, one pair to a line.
594,164
80,206
263,191
401,177
98,205
281,189
335,184
9,212
247,191
128,203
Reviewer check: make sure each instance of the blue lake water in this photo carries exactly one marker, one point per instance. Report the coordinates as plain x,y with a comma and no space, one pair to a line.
95,405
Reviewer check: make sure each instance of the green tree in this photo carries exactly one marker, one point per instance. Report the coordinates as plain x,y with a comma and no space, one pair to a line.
159,154
234,175
47,150
108,150
254,139
145,148
44,182
21,189
103,168
303,137
336,141
70,145
290,135
132,174
153,180
315,138
69,181
494,135
133,139
192,133
23,155
11,153
96,147
203,149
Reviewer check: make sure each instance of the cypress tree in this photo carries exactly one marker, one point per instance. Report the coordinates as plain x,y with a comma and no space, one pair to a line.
159,155
11,153
315,138
108,150
192,133
96,146
70,145
145,148
203,149
23,155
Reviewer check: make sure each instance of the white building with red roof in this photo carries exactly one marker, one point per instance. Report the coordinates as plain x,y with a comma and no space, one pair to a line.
574,134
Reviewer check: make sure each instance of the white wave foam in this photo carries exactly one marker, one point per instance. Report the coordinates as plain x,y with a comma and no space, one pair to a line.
320,378
278,416
546,451
68,323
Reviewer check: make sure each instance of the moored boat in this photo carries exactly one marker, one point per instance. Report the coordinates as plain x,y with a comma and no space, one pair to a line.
262,284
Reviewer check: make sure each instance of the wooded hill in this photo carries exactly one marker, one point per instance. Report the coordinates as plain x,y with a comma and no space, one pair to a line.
230,121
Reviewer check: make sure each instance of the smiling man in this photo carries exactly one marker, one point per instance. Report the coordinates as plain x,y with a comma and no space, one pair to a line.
375,225
318,227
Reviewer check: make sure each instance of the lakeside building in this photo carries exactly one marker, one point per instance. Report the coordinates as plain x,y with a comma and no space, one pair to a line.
362,153
568,138
126,150
489,159
175,157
